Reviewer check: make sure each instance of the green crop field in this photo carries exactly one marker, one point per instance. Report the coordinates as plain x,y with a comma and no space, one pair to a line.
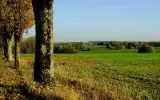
133,75
120,74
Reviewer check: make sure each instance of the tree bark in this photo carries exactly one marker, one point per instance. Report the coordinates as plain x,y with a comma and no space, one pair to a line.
43,67
7,48
16,52
10,44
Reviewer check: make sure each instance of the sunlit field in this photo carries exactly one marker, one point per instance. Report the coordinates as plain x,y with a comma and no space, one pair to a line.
120,74
98,74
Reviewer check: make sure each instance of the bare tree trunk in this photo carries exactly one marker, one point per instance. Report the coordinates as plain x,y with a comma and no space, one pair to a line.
43,67
10,44
7,48
16,53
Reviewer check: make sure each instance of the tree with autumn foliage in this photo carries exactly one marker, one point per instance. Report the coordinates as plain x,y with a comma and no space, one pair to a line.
16,16
5,29
24,19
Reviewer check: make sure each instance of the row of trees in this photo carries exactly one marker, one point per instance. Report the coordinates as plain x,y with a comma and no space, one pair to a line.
18,15
129,45
28,46
15,17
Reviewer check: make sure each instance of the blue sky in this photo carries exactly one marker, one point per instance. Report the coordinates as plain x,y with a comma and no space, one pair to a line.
85,20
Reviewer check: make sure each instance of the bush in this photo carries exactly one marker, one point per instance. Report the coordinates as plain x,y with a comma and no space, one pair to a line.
88,49
28,45
146,49
79,46
64,49
109,46
132,45
75,46
115,46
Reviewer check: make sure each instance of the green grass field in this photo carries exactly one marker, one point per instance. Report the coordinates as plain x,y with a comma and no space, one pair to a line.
122,74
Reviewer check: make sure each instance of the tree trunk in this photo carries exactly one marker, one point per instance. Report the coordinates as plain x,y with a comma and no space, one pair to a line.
7,48
16,52
10,44
43,67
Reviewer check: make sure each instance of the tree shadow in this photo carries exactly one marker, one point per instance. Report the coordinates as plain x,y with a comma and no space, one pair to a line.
21,92
88,92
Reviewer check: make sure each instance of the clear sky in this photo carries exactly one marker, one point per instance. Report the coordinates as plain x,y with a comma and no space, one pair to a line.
85,20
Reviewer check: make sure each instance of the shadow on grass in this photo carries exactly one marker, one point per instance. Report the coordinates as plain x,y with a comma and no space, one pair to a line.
90,93
22,92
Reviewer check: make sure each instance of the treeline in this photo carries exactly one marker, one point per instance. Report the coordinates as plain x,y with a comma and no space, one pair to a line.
73,47
28,46
115,45
141,47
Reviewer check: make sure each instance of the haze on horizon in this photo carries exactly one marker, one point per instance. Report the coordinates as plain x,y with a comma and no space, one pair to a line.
120,20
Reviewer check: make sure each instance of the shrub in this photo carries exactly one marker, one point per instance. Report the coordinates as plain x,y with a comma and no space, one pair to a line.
88,49
132,45
79,46
146,49
64,49
28,45
109,46
115,46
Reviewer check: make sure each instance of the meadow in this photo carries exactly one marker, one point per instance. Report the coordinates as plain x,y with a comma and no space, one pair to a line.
98,74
